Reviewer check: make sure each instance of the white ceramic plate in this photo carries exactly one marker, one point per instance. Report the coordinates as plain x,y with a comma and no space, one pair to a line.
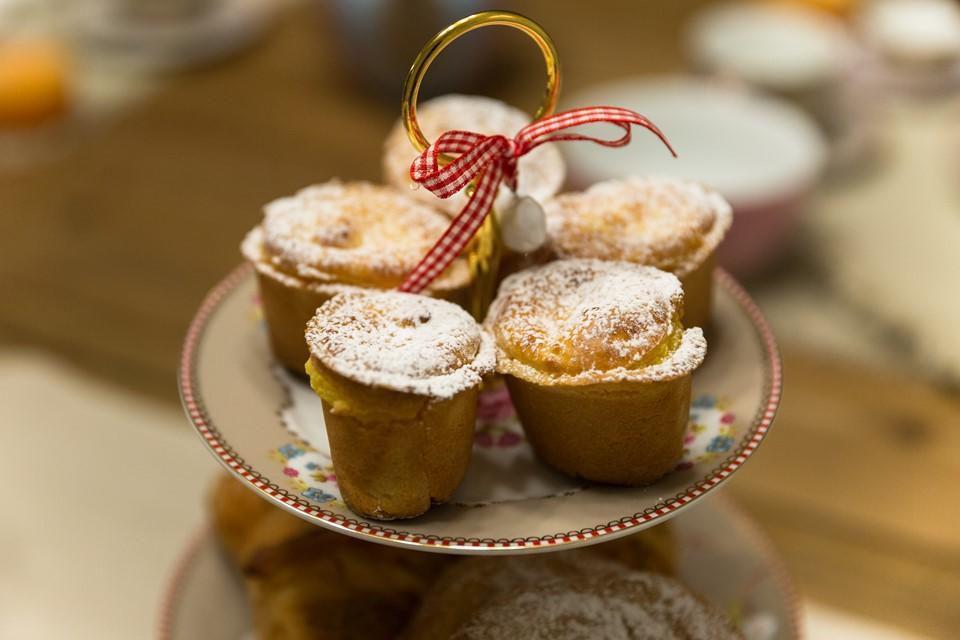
722,556
267,428
751,148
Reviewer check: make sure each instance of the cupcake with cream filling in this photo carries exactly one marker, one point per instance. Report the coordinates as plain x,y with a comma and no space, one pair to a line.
670,224
398,375
599,366
338,237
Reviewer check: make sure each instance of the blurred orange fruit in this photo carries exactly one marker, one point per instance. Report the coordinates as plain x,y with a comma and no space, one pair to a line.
33,82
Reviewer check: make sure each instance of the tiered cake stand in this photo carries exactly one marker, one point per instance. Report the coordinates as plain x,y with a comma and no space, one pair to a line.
266,427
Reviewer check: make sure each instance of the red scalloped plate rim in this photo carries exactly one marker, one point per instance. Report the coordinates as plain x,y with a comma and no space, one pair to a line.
382,534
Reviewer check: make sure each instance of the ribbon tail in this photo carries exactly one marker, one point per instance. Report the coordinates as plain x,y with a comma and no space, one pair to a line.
449,246
548,129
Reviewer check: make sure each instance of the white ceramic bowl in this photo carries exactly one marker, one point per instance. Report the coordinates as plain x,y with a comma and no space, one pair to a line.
781,47
763,154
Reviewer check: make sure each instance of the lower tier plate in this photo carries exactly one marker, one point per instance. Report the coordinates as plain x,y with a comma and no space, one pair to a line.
722,556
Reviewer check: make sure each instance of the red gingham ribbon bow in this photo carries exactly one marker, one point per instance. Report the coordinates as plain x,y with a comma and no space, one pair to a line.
491,160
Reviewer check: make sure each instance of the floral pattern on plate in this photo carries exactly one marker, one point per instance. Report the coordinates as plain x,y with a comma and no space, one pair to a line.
500,450
309,473
711,431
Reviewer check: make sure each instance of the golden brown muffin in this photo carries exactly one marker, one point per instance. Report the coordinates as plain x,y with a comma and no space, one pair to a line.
245,522
555,596
330,586
670,224
307,583
598,366
540,173
653,549
338,237
398,374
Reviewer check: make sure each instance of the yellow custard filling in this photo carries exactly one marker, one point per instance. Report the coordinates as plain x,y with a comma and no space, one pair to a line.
325,387
345,397
565,359
666,348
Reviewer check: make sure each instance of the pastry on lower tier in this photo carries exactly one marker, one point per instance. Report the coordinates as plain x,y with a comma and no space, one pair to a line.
245,523
598,365
304,582
555,596
399,375
670,224
287,564
653,549
540,173
336,237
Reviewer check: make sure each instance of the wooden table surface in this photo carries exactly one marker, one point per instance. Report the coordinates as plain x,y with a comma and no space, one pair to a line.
107,252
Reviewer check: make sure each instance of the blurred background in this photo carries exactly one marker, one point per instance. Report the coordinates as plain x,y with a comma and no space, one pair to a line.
139,139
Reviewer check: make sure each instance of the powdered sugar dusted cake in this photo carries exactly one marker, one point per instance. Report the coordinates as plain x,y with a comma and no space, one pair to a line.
588,321
336,237
662,222
398,376
632,606
599,366
574,595
401,341
540,173
348,233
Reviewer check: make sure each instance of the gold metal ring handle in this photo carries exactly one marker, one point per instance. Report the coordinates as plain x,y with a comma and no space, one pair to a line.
483,254
429,53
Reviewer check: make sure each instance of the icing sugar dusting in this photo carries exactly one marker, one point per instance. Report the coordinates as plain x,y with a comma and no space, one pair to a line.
353,233
401,341
663,222
540,173
611,605
583,321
